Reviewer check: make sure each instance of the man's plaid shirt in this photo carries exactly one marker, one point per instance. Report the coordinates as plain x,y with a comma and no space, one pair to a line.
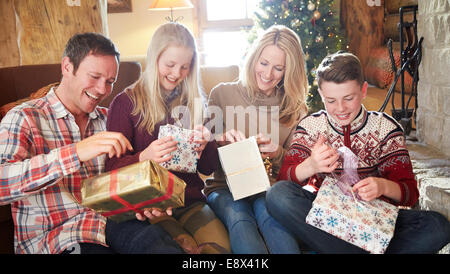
40,174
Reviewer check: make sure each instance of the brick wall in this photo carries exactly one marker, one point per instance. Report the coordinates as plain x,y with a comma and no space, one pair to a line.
433,113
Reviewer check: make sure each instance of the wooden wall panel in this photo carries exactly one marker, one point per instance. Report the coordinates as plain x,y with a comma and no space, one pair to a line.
393,6
390,25
42,27
9,55
363,25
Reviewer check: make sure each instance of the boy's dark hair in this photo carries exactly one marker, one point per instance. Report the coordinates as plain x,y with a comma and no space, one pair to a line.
82,44
340,67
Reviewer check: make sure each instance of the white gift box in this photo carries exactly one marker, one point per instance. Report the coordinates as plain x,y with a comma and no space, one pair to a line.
185,158
368,225
244,168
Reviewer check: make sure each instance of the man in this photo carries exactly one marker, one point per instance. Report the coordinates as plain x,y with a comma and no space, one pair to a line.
49,145
384,166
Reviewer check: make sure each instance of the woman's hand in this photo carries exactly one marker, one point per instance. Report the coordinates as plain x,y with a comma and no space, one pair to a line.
231,136
159,150
267,147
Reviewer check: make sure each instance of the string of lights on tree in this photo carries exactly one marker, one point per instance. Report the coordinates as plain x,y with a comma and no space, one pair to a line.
317,26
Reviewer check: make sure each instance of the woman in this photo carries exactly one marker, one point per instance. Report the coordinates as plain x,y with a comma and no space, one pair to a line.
170,81
273,82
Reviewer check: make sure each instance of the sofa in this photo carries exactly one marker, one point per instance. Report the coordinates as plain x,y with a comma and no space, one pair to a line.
21,83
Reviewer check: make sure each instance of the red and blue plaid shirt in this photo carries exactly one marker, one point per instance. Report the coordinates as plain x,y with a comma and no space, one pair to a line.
41,175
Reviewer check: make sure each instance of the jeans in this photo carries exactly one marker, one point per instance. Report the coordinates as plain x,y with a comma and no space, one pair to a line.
140,237
245,219
130,237
415,231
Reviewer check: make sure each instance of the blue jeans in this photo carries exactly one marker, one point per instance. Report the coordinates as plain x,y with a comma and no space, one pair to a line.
131,237
245,219
415,231
140,237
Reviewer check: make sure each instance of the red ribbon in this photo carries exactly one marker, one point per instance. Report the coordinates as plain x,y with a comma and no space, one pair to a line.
127,206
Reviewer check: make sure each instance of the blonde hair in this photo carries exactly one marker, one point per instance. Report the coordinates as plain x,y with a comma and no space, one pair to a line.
147,95
294,84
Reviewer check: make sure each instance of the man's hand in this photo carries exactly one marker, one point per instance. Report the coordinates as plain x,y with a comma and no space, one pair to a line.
112,143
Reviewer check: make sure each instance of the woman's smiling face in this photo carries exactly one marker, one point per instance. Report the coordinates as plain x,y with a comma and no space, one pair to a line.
270,68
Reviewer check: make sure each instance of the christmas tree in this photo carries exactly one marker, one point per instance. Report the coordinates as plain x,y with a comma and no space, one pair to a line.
318,27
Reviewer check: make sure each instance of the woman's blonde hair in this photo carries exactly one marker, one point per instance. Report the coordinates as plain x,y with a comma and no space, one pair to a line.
294,84
147,95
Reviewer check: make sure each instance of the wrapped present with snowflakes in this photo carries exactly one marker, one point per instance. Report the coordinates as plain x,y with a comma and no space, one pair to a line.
121,193
368,225
185,158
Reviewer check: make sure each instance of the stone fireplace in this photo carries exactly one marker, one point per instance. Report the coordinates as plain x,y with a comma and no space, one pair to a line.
433,112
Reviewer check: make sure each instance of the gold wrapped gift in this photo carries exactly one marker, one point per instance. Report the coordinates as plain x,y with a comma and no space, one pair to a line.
120,193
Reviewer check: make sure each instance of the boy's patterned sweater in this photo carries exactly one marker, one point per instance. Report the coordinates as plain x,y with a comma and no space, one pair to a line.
375,137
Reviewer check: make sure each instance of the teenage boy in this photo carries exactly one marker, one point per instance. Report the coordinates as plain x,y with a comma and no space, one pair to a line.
384,165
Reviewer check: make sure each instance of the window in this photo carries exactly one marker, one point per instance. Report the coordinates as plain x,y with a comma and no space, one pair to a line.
223,39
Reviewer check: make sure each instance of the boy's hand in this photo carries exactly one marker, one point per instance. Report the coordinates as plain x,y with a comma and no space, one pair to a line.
371,188
323,159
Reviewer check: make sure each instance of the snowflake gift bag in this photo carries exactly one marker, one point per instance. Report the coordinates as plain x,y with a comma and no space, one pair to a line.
185,158
369,225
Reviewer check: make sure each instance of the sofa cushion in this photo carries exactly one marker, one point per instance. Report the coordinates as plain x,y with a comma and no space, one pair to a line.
37,94
211,76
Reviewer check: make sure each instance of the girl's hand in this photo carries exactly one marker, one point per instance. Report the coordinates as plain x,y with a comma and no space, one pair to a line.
201,136
158,150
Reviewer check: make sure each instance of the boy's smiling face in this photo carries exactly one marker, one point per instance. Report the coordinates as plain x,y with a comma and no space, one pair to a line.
343,101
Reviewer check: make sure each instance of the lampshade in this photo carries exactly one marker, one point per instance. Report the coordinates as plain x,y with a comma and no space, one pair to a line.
170,4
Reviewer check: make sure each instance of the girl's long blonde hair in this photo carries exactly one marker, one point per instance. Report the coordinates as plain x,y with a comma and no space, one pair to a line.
147,95
294,83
